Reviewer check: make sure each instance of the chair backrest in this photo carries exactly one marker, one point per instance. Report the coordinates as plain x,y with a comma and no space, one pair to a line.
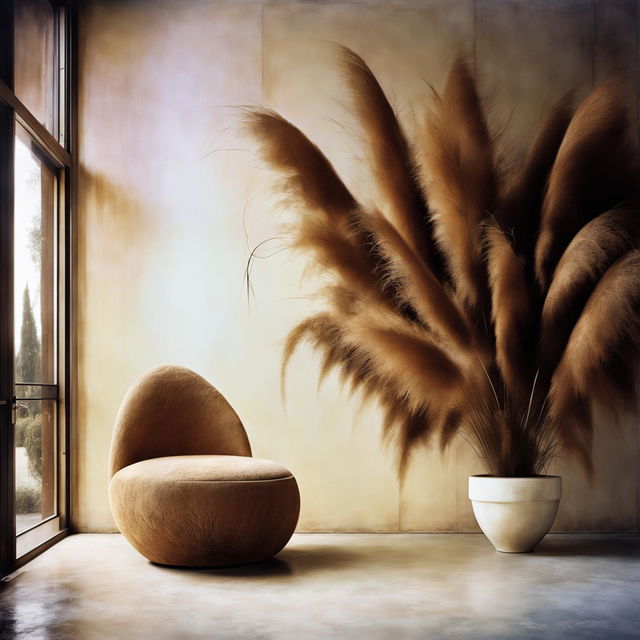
172,411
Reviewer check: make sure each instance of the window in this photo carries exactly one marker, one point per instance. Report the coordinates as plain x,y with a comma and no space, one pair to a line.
34,59
35,213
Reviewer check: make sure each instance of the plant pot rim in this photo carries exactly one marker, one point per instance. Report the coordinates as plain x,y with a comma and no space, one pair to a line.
491,476
487,488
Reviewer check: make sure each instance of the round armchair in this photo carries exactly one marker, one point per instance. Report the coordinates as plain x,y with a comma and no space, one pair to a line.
184,488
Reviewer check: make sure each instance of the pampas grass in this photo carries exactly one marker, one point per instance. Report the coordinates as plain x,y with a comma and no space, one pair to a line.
497,305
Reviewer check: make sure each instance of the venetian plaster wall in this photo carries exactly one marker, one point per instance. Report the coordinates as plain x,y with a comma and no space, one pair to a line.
171,199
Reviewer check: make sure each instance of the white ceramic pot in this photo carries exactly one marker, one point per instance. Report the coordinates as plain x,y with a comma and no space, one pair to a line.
515,513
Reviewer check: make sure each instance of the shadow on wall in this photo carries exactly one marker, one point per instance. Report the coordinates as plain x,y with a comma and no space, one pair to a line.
112,228
113,233
112,240
110,206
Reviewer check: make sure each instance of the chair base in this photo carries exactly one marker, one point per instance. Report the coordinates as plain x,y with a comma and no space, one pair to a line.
196,511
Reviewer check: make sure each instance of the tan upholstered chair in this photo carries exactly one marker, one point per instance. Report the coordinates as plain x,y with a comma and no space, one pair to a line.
184,488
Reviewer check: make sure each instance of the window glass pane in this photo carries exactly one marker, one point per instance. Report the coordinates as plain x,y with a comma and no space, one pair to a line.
34,61
34,264
35,462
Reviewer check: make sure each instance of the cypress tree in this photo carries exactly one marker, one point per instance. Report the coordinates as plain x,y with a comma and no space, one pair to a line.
28,365
28,361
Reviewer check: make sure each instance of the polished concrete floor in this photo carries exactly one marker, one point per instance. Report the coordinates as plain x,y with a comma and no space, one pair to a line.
369,586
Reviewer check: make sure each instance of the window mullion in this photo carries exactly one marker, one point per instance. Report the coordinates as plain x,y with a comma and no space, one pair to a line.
37,130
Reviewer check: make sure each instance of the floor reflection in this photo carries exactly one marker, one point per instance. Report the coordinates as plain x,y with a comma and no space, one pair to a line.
333,586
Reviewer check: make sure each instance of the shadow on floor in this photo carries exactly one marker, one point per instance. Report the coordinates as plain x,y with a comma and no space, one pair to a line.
615,545
319,558
287,563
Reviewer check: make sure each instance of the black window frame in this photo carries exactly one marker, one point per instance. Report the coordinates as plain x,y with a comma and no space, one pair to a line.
63,157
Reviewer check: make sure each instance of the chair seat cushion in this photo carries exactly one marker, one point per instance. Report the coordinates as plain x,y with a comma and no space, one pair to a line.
205,510
206,469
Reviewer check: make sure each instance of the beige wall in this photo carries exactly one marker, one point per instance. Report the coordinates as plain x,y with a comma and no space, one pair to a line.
172,197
